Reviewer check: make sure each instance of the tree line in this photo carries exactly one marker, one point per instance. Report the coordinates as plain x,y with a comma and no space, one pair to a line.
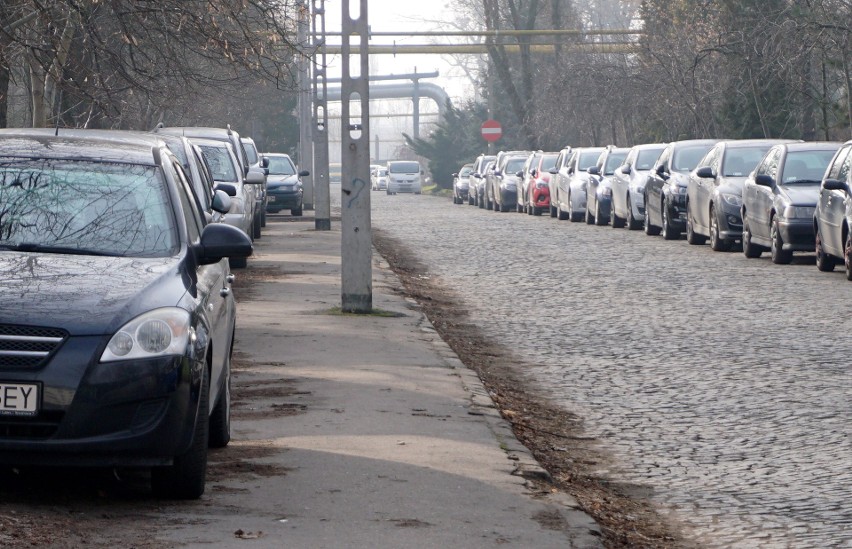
695,69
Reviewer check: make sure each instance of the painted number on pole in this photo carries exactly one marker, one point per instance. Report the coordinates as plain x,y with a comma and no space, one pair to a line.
491,131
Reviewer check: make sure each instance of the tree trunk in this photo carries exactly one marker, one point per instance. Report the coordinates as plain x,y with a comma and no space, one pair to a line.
4,96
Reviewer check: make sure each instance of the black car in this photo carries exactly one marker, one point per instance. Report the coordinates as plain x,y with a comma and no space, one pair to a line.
665,190
779,200
118,317
714,196
283,186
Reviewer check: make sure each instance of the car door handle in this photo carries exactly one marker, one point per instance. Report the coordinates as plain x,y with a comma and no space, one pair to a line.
225,292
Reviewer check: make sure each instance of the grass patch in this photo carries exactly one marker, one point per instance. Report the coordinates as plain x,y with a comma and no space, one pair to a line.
435,190
381,313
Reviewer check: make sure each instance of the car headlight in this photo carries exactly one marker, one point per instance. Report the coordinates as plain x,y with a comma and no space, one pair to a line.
160,332
732,200
799,212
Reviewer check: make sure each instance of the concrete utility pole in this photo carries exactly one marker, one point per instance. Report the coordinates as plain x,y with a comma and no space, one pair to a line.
322,215
306,149
357,244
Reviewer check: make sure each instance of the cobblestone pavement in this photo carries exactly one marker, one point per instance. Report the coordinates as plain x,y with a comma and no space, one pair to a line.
719,384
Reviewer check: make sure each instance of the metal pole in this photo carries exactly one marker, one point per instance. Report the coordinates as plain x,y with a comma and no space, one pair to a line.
356,241
322,215
306,149
415,98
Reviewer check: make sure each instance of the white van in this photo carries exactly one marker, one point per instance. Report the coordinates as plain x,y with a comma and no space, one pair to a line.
404,176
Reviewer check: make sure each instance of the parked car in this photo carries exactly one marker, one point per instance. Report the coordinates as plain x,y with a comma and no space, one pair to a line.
571,187
477,179
284,185
558,175
117,317
380,179
665,189
404,176
628,185
506,180
833,216
461,184
485,201
223,166
258,163
714,195
599,190
493,176
779,199
536,190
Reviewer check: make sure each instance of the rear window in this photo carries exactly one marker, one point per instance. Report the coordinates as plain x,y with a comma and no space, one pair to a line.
404,167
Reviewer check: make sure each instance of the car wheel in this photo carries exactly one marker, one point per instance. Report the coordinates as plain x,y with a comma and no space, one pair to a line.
562,216
717,243
589,218
650,230
553,211
847,256
220,419
615,221
238,262
824,262
750,250
667,230
631,222
296,212
387,192
691,236
779,255
263,217
599,220
185,477
256,226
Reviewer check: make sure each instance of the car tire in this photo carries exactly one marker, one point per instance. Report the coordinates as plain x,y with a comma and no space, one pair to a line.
615,221
562,216
256,227
650,230
847,256
632,224
780,256
588,217
824,262
691,236
599,220
263,217
220,419
666,230
553,211
238,262
717,243
750,250
186,476
387,192
296,212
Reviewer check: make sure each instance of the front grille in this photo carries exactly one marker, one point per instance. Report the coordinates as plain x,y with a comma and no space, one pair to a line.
28,346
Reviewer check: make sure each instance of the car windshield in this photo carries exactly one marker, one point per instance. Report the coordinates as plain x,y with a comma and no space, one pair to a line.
686,158
646,158
221,165
87,208
251,152
739,161
588,159
548,161
806,166
614,160
383,173
514,165
465,171
404,167
281,165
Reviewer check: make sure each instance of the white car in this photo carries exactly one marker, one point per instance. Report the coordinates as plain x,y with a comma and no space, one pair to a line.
404,176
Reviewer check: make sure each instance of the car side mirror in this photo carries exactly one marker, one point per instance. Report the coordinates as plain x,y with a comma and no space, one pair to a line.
476,174
498,173
227,188
304,173
705,172
264,162
594,170
835,185
625,169
254,178
534,172
553,171
519,173
455,174
764,180
222,201
220,240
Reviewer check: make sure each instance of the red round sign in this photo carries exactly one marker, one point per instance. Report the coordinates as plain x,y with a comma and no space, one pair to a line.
491,130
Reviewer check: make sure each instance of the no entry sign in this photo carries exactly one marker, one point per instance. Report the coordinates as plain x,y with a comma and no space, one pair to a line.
491,130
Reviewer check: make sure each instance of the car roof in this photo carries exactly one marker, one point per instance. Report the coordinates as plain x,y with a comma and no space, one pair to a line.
288,156
813,146
740,143
81,144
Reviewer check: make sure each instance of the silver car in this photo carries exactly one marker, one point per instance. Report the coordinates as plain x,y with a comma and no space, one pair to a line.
628,185
572,182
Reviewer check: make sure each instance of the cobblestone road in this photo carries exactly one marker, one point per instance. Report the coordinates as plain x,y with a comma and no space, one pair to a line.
719,384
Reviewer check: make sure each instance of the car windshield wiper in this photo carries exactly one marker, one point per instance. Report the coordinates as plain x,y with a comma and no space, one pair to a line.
34,247
795,181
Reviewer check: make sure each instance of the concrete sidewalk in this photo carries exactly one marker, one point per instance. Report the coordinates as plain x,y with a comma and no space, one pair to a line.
361,431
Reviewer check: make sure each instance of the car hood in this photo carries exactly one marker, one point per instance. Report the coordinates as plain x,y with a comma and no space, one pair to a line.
801,194
85,295
732,185
280,180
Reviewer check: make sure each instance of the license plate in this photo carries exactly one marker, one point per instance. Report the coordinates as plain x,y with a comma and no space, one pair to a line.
18,399
272,199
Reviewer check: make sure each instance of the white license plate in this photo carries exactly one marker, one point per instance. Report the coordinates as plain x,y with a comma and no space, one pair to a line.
18,399
272,199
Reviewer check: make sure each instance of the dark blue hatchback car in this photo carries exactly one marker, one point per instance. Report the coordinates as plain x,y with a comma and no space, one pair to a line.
117,316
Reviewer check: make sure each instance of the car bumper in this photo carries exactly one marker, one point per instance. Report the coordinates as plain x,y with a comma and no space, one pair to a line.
797,234
541,197
462,193
730,224
283,201
677,212
403,188
134,413
508,197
